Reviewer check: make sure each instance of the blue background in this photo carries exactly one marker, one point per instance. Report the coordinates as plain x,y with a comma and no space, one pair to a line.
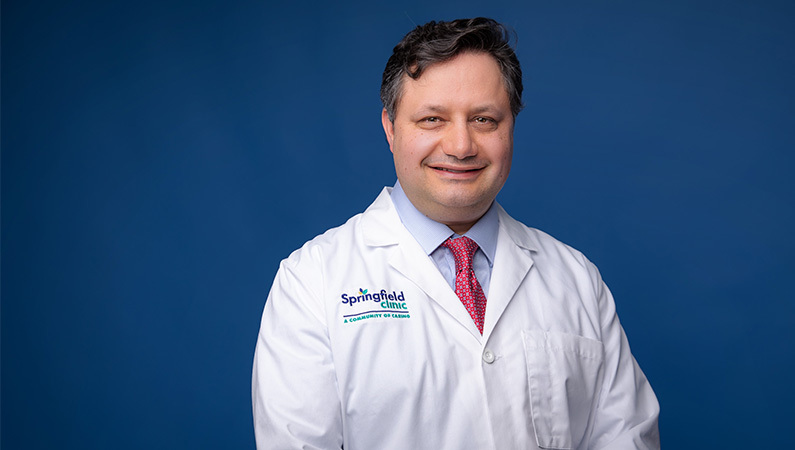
160,158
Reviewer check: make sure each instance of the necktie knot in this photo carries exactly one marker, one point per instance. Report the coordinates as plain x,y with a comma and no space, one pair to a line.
463,249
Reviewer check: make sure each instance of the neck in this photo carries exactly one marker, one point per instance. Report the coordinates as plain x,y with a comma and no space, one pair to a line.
459,228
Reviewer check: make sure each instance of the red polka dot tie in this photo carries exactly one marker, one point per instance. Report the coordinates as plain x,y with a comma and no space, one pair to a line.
467,287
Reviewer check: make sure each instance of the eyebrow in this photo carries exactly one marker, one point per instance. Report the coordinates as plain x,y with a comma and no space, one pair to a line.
433,108
488,108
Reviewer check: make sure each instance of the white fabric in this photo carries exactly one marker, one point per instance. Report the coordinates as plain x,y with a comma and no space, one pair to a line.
552,369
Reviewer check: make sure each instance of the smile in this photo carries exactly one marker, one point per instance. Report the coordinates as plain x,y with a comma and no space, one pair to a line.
445,169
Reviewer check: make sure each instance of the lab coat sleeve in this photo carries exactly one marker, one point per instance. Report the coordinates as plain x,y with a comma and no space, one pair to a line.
627,412
294,388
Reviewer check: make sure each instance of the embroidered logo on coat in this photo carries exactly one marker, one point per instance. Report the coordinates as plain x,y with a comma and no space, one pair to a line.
382,304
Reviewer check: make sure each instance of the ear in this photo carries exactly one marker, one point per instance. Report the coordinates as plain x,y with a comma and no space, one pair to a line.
389,128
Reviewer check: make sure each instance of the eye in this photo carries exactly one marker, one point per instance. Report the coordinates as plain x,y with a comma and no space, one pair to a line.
430,122
484,123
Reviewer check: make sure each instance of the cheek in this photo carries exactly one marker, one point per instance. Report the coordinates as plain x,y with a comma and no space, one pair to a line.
414,148
506,170
404,159
507,159
506,153
503,158
507,167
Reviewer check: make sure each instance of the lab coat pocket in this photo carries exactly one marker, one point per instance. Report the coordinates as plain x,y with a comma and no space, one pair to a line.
564,372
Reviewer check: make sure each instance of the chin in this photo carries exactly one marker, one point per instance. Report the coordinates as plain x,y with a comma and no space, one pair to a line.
465,200
463,211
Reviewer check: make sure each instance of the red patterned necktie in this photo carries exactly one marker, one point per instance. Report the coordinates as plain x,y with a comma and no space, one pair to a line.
467,287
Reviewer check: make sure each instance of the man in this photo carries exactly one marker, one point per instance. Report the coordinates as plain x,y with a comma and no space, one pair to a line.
385,333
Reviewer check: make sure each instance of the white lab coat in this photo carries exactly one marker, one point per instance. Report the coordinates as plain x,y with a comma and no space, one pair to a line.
552,369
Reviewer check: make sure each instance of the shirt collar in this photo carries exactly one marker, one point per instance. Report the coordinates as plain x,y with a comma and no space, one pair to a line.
430,234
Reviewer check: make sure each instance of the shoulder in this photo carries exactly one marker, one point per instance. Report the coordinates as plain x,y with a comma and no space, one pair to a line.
560,265
546,250
342,242
534,239
328,243
303,276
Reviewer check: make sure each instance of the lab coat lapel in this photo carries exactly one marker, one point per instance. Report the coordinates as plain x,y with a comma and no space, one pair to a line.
512,262
381,226
410,260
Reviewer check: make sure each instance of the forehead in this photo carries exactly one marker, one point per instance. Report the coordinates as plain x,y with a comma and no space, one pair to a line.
467,77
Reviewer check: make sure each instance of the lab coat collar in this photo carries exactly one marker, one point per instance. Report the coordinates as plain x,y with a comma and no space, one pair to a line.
512,262
517,231
428,232
381,226
380,222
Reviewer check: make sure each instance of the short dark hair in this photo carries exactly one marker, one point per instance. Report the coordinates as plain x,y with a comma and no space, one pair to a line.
437,42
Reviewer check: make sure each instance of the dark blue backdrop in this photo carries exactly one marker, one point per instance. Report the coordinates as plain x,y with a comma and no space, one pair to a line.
159,159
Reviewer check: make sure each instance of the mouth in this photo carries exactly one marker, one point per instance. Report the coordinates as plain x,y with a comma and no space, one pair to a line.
457,174
456,170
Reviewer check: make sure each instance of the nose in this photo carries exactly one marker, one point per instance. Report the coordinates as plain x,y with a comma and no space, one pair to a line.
458,141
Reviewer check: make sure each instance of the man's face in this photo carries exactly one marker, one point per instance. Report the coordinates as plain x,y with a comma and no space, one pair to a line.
452,139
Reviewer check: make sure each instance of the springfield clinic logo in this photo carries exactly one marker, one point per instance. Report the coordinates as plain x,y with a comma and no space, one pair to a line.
385,305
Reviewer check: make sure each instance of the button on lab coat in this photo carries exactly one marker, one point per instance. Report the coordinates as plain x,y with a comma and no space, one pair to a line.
364,345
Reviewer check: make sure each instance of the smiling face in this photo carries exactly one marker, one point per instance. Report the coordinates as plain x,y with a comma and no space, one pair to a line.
452,139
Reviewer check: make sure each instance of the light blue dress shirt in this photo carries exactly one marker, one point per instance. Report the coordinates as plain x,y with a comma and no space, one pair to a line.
430,234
